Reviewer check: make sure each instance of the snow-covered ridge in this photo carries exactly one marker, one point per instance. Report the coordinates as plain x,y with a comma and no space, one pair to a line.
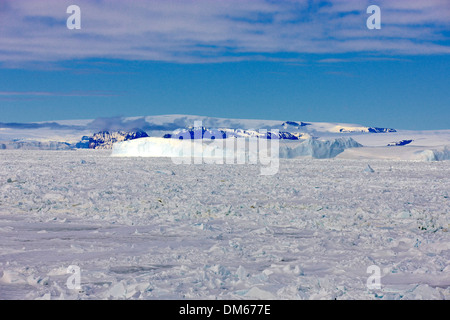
400,143
106,139
362,129
224,133
155,125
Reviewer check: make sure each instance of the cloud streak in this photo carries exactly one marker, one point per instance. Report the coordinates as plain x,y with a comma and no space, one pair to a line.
188,31
58,94
12,96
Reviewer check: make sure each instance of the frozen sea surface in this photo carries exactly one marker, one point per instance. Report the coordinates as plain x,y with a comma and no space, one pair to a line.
146,228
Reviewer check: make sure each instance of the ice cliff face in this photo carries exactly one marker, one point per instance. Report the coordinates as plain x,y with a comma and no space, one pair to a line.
34,145
318,149
437,154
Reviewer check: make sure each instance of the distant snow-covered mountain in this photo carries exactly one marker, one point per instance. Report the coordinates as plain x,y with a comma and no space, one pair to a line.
223,133
102,133
154,125
400,143
105,139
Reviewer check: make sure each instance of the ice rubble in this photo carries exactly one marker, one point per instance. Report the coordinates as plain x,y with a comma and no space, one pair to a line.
221,232
160,147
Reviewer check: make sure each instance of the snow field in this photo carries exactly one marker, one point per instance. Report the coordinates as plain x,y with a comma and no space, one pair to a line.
146,228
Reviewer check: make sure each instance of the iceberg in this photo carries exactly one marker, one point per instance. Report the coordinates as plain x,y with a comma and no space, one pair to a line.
439,154
318,149
230,147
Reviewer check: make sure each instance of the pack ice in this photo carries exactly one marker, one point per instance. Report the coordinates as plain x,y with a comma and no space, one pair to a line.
343,209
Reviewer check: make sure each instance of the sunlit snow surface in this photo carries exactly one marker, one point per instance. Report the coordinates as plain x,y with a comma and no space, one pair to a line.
146,228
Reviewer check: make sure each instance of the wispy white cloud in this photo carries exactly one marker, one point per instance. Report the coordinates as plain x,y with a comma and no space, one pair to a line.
59,94
190,31
29,95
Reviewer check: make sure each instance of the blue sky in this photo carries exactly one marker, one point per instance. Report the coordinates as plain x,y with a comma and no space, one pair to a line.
287,60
